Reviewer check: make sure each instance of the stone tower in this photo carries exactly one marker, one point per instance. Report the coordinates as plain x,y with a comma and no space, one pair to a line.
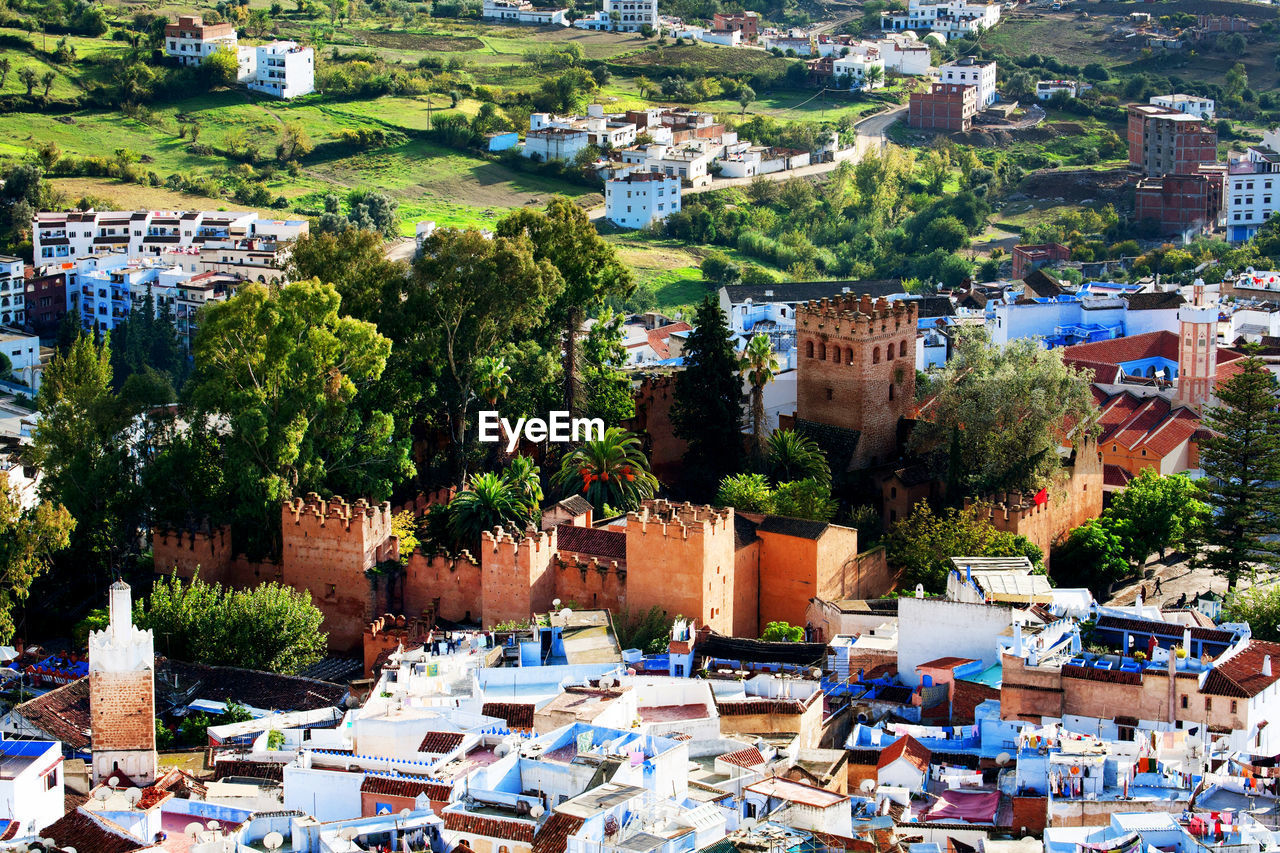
857,369
122,690
1197,351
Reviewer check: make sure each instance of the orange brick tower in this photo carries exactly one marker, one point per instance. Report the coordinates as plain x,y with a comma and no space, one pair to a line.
516,575
680,557
857,369
122,706
1197,351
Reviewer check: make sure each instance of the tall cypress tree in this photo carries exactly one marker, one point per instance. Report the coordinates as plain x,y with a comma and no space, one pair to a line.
708,408
1242,461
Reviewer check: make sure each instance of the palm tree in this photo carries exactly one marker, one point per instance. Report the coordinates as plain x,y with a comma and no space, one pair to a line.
611,470
5,66
874,76
759,365
792,456
489,501
522,473
493,378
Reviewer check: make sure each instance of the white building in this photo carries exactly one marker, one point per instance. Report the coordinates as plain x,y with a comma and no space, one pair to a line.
967,72
23,352
283,69
855,67
191,40
13,291
67,236
641,198
903,53
31,784
1192,105
803,45
759,160
523,12
555,143
1046,89
623,16
1253,188
953,17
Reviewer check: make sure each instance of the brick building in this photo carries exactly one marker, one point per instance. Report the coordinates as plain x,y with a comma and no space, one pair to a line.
946,106
1028,259
731,572
856,371
747,23
1180,204
46,303
1163,141
122,691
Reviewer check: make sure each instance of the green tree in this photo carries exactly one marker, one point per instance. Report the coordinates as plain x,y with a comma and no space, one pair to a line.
281,368
1241,461
746,493
1237,80
791,456
219,70
29,78
1093,556
1257,605
294,142
82,447
782,632
467,295
608,471
28,539
271,627
998,416
5,67
923,543
354,261
46,80
745,96
1164,512
806,498
489,501
759,365
493,378
589,269
707,409
606,386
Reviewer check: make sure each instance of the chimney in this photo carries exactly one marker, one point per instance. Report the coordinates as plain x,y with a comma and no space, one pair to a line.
1017,639
1266,666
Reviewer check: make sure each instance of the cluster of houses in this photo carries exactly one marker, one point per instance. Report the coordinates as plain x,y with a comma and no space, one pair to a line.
281,69
1025,712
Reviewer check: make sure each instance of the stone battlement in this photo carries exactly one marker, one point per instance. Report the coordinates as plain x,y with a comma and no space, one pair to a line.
856,315
680,520
501,542
313,509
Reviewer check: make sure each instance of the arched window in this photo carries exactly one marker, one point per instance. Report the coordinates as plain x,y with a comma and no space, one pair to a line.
822,352
890,390
902,349
875,355
848,355
808,349
835,354
888,353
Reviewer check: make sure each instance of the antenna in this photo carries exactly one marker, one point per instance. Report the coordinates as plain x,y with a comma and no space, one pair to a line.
273,841
133,795
193,829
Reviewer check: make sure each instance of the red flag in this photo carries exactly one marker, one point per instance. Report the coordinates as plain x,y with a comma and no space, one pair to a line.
1042,496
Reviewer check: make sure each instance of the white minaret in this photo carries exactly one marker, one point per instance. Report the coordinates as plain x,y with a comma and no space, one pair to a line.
1197,350
122,690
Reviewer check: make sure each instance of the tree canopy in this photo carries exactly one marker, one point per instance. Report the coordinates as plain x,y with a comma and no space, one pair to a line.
707,410
923,543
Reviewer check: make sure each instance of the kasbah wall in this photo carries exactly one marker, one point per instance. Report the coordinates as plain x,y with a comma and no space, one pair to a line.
681,558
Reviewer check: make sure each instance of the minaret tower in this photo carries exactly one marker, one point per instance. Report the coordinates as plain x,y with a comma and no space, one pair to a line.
122,691
1197,350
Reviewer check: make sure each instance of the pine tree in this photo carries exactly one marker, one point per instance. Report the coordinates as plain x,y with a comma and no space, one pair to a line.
707,411
1242,464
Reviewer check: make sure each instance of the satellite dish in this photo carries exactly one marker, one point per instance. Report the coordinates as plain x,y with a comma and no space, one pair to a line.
102,794
193,829
406,812
114,781
1003,758
566,613
748,823
347,833
133,795
555,602
868,785
537,811
501,749
68,850
213,826
273,841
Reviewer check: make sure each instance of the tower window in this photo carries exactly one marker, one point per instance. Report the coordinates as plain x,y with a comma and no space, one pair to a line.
808,349
902,349
822,352
831,394
890,390
835,354
875,355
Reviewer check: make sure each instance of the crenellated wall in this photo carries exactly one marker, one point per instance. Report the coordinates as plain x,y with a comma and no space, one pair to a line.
680,558
517,578
181,552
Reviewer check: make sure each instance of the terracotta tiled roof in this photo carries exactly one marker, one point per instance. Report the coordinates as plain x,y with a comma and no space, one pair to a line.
1121,350
1101,371
517,715
63,714
946,663
152,797
1163,629
659,338
1241,674
1149,423
87,832
591,541
749,757
438,743
406,786
265,690
916,754
490,827
250,769
1114,475
554,835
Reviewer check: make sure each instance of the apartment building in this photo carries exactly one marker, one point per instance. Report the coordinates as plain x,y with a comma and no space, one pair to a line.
969,72
640,198
1192,105
1164,141
1253,188
953,17
623,16
13,291
191,40
66,236
946,106
523,12
283,69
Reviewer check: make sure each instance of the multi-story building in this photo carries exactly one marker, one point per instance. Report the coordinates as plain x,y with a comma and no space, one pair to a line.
71,235
283,69
640,198
950,16
946,106
1168,142
903,53
1253,188
523,12
23,352
623,16
1192,105
969,72
1182,205
46,302
1046,89
856,67
801,44
747,23
13,291
191,40
122,696
555,143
